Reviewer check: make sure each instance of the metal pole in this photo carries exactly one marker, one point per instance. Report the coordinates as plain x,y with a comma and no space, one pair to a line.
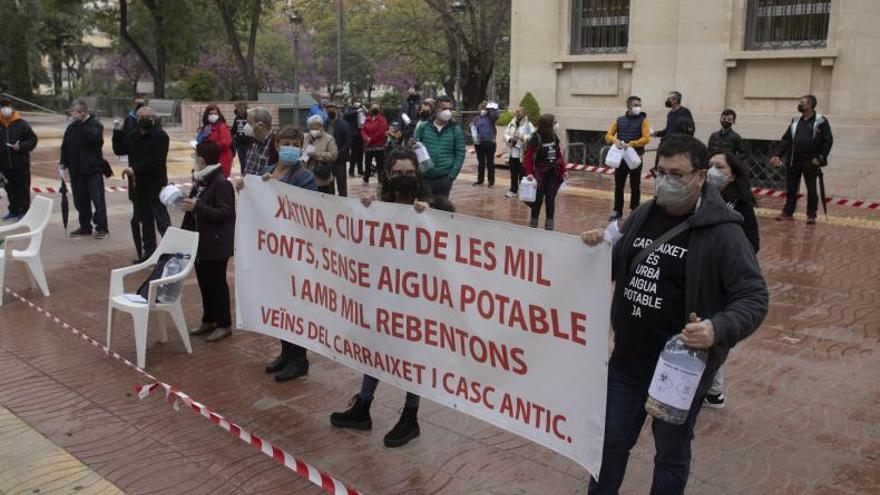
295,79
457,76
339,44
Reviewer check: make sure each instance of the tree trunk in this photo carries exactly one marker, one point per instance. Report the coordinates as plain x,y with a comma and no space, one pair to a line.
245,62
159,77
154,70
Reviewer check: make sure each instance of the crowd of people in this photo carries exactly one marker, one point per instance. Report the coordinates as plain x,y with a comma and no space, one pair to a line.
711,285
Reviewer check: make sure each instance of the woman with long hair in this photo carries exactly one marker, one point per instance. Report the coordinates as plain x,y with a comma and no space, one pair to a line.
400,182
544,162
214,128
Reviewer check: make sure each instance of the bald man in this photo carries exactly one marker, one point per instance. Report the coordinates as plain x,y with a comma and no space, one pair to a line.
147,150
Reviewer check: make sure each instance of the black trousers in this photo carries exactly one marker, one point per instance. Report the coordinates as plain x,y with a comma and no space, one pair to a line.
18,189
547,189
328,189
88,190
379,157
211,275
150,214
295,352
438,186
486,160
793,175
356,161
635,180
516,174
341,177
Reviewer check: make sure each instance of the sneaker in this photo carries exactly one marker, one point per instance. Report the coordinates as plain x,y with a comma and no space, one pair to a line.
784,217
811,220
406,429
714,401
202,329
294,368
615,216
477,184
510,194
356,417
101,234
491,185
9,216
80,233
219,333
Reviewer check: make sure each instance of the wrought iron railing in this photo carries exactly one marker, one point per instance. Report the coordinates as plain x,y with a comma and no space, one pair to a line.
599,26
787,24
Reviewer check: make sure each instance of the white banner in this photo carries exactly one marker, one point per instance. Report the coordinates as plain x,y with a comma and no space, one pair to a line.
501,322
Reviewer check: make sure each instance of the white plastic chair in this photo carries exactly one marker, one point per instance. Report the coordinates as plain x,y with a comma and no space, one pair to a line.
174,241
35,221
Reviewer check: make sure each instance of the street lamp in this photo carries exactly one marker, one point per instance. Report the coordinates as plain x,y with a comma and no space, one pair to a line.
295,21
369,79
457,7
492,90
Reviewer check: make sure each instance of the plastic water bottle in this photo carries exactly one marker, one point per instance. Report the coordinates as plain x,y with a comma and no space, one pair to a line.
168,293
676,378
425,161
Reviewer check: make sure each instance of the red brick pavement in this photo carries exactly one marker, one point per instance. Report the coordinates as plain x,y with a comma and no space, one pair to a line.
802,415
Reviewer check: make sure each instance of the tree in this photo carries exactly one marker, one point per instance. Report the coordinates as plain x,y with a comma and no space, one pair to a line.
16,24
62,26
530,105
247,12
474,35
156,67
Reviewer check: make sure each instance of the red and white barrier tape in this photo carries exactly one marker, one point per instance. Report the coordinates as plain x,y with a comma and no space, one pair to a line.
302,468
56,190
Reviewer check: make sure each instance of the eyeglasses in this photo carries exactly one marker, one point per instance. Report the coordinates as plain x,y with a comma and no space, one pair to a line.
674,174
401,173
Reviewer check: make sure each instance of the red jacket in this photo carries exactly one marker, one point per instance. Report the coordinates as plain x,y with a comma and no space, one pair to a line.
221,135
373,132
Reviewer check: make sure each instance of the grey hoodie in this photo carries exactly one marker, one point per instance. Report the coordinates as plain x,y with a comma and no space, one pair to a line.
723,280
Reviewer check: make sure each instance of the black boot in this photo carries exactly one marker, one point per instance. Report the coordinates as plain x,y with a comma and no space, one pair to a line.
357,416
406,428
294,368
281,361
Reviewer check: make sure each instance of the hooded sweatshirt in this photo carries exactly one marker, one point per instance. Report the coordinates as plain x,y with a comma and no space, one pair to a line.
16,130
710,270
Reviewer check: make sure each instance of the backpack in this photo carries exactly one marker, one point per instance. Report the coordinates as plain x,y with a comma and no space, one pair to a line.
546,166
159,272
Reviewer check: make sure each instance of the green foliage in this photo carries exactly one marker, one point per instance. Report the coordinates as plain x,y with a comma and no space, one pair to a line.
17,27
505,118
530,105
200,85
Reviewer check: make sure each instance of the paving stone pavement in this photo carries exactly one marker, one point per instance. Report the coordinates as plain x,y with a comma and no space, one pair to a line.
803,413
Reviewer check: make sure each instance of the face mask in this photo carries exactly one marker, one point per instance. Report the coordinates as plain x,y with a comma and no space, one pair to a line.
145,124
357,104
315,133
331,115
248,130
800,108
6,111
556,126
725,124
445,115
636,110
289,154
718,178
374,111
668,102
671,193
482,112
213,118
404,186
424,115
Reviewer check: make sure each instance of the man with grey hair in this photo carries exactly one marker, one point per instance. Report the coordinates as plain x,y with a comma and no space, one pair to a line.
262,152
81,156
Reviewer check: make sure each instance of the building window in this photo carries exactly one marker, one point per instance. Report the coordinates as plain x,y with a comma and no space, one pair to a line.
781,24
599,26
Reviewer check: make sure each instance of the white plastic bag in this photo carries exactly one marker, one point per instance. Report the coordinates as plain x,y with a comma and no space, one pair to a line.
528,190
614,157
474,135
633,160
170,195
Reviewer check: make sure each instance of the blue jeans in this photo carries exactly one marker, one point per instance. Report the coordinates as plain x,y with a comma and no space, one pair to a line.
624,417
368,387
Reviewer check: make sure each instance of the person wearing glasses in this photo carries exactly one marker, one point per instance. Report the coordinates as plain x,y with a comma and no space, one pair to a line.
399,183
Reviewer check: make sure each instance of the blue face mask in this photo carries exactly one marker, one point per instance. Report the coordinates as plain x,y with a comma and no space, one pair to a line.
289,155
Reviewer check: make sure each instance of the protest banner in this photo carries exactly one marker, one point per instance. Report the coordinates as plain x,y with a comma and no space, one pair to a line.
501,322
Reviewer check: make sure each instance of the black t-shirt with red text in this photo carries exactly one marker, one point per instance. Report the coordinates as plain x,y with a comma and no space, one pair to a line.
652,308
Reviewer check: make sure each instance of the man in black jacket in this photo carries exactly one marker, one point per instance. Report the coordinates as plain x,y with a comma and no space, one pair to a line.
353,117
341,132
726,139
15,159
81,156
704,283
147,150
806,144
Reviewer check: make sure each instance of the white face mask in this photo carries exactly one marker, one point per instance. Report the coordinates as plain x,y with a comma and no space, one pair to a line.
6,111
636,110
213,118
482,112
556,126
315,133
248,130
718,178
445,115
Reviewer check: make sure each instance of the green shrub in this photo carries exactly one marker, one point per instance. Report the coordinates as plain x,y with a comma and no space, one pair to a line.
505,118
200,85
530,105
